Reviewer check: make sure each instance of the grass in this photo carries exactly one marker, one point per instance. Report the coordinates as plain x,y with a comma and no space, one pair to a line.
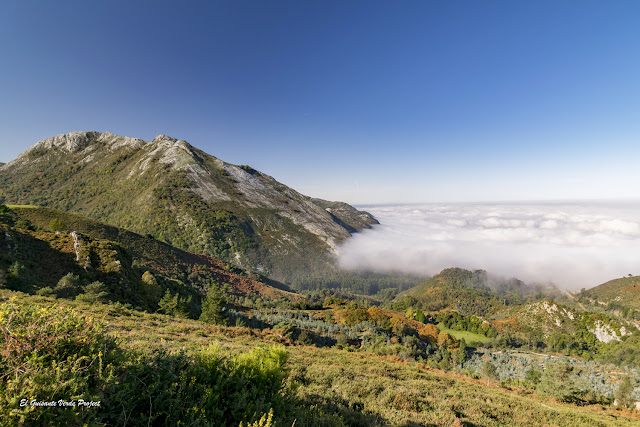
347,387
468,336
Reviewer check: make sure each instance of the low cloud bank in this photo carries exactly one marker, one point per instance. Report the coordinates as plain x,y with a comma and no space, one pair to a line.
571,245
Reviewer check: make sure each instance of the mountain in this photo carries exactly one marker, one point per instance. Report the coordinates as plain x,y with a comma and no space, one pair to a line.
175,193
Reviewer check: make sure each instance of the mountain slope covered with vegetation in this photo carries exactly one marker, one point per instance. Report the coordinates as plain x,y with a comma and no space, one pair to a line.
178,194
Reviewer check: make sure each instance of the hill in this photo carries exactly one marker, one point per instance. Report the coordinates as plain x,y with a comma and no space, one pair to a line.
118,258
184,197
621,296
472,292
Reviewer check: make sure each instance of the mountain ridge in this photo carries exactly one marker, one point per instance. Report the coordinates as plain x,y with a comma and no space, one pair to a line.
183,196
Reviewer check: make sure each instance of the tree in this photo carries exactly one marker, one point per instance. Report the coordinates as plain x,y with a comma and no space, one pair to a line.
624,393
96,292
5,215
168,303
68,286
57,224
532,377
213,306
151,287
489,371
556,382
183,308
462,352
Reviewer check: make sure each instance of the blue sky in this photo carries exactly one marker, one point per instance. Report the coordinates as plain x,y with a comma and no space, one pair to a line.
361,101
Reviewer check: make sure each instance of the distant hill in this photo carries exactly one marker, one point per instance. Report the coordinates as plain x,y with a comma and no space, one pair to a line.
183,196
619,295
114,256
472,292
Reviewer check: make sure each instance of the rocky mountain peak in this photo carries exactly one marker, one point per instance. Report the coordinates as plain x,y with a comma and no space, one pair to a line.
67,142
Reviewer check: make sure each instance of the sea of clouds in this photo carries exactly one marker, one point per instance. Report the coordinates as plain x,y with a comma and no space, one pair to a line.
572,245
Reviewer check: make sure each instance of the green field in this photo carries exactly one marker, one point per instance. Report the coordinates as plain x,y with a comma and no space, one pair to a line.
468,336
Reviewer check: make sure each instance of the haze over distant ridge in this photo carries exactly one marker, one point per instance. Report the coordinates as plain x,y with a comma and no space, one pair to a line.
573,245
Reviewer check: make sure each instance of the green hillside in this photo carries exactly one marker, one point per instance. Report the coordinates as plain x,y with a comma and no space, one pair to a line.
184,197
472,292
621,296
115,257
189,380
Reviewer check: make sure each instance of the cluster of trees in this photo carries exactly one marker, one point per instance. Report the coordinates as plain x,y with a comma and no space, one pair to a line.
384,286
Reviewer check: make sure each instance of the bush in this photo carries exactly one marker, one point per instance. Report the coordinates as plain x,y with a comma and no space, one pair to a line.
24,224
53,353
47,291
68,286
17,277
66,355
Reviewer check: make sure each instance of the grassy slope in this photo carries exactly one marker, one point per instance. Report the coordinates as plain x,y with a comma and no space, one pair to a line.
625,291
468,336
361,388
153,254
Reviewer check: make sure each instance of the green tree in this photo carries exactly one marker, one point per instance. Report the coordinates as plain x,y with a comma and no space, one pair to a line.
151,287
96,292
57,224
5,215
183,308
462,352
489,371
68,286
624,393
557,382
168,303
213,306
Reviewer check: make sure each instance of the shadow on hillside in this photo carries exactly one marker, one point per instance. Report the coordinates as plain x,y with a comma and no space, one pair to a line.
45,264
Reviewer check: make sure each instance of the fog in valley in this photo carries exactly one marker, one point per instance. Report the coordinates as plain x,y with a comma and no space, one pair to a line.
572,245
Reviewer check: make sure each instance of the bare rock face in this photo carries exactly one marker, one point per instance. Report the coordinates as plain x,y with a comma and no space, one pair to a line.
184,196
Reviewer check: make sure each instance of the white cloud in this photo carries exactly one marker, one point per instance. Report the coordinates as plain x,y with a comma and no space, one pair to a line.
572,245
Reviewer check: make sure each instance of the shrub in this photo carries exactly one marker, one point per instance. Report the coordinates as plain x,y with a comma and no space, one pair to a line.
17,278
24,224
68,286
53,353
47,291
48,354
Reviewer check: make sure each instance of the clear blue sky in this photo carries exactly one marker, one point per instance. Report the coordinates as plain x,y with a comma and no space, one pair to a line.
361,101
